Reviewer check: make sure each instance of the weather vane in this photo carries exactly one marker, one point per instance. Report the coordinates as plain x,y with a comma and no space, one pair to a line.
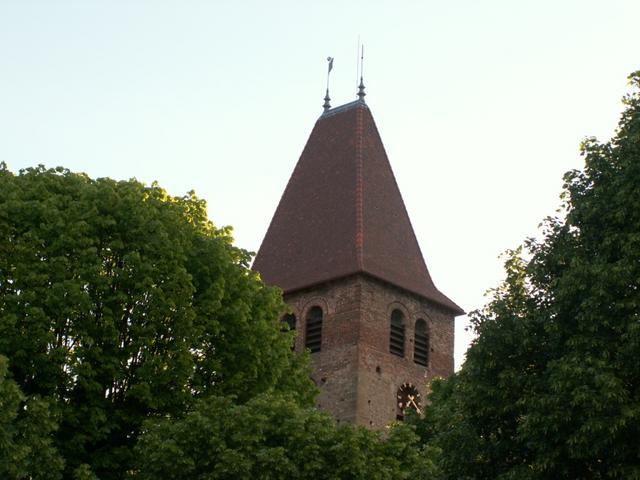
326,106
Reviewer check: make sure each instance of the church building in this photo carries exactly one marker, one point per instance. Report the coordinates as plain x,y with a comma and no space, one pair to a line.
342,249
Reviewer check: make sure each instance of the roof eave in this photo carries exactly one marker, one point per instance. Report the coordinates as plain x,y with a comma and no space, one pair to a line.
452,307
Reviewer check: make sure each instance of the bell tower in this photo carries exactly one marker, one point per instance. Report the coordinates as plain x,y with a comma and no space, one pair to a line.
342,249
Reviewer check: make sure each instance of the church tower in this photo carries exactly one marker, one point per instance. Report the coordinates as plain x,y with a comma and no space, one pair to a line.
342,249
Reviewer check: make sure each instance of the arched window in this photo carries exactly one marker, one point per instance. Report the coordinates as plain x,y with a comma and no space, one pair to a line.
313,336
421,344
396,336
289,319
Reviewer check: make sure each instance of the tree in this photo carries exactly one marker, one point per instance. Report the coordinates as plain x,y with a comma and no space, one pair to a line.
119,302
272,437
551,386
26,449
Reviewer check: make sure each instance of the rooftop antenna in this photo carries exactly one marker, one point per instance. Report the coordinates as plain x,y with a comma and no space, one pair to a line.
358,61
361,93
326,105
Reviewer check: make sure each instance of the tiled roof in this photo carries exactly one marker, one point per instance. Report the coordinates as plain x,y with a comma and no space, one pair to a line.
342,213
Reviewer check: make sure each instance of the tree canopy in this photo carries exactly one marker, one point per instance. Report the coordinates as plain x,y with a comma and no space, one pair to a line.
551,386
272,437
118,303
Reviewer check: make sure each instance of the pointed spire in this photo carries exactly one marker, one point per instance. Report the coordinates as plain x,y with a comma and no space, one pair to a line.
342,214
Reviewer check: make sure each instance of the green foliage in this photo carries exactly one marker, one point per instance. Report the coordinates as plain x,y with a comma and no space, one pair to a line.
551,386
119,302
26,425
272,437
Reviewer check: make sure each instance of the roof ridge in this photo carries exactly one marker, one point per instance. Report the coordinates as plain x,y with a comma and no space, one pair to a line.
343,108
359,189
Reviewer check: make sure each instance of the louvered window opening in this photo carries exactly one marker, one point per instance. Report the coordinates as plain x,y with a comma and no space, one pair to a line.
396,339
313,337
421,344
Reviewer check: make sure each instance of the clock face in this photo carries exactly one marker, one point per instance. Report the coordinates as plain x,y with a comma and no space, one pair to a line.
408,397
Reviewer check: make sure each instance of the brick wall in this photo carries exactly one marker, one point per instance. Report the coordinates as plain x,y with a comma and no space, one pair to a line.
357,375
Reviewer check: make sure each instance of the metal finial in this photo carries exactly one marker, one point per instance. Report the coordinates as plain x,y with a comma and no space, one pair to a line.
361,93
326,105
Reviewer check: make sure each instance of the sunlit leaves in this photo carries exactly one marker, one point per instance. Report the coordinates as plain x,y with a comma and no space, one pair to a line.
119,302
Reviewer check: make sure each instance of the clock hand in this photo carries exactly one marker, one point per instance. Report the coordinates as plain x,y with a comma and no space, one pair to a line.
417,408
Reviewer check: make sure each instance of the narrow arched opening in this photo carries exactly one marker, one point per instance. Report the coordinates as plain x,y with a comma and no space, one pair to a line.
313,333
421,343
396,333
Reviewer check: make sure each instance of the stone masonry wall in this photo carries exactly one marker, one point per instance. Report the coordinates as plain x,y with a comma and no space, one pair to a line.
357,375
382,373
335,367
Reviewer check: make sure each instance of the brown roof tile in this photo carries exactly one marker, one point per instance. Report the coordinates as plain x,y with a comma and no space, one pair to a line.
342,213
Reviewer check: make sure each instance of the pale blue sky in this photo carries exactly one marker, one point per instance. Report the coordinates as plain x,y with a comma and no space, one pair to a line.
481,104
